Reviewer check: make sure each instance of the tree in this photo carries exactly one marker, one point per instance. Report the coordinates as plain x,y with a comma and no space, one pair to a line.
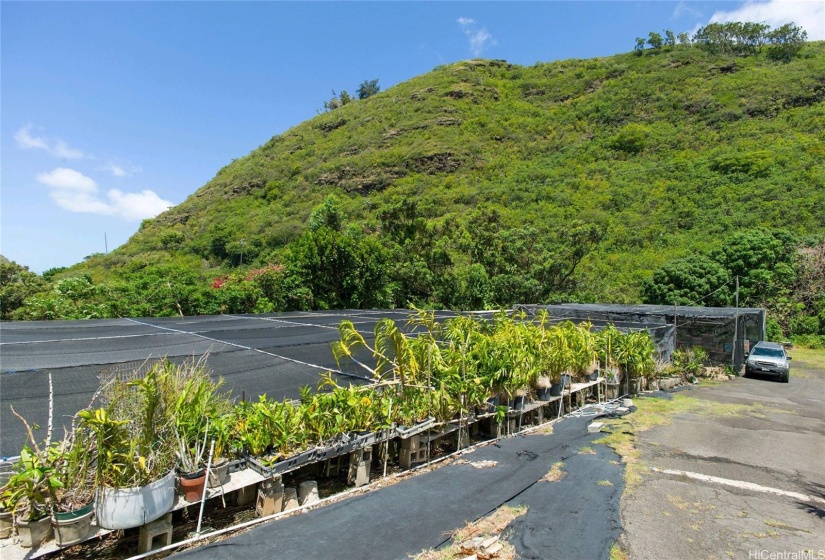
786,42
337,101
654,40
639,47
368,88
328,214
17,283
684,39
75,297
764,262
670,38
688,281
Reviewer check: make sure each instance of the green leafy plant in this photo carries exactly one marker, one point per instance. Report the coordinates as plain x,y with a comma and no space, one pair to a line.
29,491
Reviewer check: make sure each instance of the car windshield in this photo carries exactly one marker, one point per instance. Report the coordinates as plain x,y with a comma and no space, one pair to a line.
770,352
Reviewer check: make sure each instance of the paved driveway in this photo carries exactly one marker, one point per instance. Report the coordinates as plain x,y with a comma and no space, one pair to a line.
746,484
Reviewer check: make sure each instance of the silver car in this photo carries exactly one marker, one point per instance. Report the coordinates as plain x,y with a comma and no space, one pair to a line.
768,358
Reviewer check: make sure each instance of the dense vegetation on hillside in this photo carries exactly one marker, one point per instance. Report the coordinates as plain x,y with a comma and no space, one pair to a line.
483,183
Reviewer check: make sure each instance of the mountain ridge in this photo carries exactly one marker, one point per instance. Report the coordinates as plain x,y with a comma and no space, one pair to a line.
662,153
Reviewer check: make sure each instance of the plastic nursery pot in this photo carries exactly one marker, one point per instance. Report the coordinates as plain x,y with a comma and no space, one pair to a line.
556,389
543,393
124,508
219,474
72,527
191,485
517,403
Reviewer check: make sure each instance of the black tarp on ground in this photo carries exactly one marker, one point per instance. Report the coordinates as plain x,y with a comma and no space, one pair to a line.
420,512
562,523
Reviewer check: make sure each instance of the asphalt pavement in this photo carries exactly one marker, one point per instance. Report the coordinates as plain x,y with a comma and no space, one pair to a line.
744,484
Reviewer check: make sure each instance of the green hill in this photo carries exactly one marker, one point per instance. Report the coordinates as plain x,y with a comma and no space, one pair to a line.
483,181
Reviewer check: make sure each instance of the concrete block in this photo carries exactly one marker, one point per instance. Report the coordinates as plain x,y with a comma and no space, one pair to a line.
308,493
359,467
156,534
290,499
594,427
246,495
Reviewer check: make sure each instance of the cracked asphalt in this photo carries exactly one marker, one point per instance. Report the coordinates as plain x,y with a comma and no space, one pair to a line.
780,444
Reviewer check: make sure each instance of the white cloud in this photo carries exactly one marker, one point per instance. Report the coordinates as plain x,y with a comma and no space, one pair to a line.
68,179
683,8
24,139
137,206
57,147
75,192
62,150
810,15
479,39
116,170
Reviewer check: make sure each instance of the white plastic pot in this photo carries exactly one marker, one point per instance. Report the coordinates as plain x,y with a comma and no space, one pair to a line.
124,508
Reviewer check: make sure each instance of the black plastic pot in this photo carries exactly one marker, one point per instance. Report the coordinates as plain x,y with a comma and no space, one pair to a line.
517,403
556,389
543,393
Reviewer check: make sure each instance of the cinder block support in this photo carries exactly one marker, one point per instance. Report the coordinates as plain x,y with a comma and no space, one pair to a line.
411,452
246,495
270,497
359,467
492,428
308,493
290,499
159,529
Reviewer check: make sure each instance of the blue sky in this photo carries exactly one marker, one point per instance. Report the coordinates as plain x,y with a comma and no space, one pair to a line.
111,112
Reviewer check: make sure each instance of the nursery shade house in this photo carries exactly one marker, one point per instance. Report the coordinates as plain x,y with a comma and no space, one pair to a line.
726,333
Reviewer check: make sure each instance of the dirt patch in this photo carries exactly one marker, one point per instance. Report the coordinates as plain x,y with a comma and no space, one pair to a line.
480,538
555,473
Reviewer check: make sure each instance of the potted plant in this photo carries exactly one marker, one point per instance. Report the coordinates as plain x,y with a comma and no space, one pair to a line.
635,358
6,517
606,346
134,449
557,358
197,400
221,433
28,494
73,503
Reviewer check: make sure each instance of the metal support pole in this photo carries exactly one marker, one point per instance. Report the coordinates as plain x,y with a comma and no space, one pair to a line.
205,487
387,443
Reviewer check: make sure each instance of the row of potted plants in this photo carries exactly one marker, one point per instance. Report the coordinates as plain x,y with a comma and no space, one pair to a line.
122,458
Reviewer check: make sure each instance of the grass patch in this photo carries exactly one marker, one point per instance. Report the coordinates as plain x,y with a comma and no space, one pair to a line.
780,525
586,451
616,553
466,541
806,358
604,483
546,429
555,473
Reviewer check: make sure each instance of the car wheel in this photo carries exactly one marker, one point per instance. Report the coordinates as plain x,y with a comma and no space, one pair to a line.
786,378
747,373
